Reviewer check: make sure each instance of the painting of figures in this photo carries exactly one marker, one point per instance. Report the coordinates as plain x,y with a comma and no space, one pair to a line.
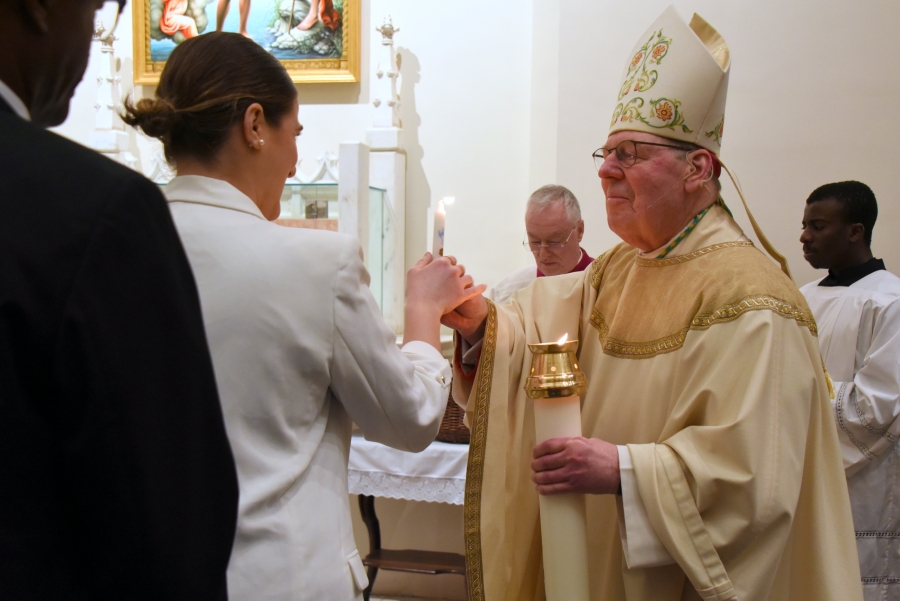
316,40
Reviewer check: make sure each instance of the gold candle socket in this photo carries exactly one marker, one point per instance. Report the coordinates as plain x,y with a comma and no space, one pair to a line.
554,371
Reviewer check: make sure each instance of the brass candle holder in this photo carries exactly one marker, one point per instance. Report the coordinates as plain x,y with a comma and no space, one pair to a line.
556,385
554,371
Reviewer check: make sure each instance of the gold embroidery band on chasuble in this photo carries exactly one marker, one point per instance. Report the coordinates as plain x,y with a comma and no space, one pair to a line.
478,422
684,293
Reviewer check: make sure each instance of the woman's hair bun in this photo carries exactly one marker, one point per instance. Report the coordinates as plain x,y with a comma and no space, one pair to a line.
154,116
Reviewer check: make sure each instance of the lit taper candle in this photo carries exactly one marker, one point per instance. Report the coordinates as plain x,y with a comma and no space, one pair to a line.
555,384
440,226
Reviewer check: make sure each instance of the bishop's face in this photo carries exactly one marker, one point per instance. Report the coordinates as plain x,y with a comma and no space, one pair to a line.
646,203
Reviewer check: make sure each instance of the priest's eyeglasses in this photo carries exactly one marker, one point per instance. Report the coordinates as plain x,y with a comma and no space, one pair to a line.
536,247
106,18
626,152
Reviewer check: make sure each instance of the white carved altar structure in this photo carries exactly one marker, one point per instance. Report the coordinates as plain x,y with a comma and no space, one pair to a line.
361,191
109,136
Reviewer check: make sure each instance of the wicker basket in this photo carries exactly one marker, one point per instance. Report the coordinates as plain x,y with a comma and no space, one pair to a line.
452,427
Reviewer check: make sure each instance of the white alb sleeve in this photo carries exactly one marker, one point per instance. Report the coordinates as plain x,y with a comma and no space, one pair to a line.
641,546
867,410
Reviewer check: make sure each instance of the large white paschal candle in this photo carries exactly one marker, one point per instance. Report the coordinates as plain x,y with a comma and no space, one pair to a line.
555,384
440,226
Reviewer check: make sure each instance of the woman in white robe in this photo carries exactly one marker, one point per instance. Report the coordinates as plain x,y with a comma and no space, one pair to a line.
298,344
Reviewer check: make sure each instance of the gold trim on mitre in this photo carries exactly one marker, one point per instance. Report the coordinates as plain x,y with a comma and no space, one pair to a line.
676,82
713,41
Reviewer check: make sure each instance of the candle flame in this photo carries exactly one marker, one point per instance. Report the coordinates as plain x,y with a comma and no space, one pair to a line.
448,200
563,339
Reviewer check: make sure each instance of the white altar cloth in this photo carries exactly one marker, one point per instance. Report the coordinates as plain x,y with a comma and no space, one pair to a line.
437,474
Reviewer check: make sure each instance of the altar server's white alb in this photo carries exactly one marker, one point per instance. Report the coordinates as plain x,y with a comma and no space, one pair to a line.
859,335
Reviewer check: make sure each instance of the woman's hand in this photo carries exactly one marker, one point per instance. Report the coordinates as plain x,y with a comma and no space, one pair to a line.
435,287
440,283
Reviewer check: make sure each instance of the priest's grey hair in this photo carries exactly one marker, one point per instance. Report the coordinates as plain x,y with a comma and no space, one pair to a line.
545,196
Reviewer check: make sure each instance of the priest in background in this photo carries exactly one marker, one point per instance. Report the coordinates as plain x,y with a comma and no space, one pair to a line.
553,232
857,308
707,405
116,475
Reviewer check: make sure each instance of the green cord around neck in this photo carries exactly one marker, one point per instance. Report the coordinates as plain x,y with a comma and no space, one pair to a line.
690,227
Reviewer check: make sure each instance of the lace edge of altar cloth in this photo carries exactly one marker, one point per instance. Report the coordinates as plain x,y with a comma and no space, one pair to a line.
410,488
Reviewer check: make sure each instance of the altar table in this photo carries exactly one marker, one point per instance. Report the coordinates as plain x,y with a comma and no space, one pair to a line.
437,475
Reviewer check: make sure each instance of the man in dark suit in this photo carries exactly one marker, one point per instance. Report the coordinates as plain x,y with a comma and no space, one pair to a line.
116,477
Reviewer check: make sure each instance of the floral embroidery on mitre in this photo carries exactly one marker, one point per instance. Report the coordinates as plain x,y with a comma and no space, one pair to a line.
664,113
716,133
659,51
651,53
637,59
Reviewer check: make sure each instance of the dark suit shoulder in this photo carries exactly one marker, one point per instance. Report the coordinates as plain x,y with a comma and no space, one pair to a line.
45,167
57,198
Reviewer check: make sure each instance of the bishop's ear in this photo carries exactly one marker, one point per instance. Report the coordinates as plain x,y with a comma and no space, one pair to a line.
700,170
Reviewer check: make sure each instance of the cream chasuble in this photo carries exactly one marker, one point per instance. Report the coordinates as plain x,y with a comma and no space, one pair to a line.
705,364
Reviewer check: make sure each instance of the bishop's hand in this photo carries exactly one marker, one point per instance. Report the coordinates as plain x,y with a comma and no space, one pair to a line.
575,465
468,319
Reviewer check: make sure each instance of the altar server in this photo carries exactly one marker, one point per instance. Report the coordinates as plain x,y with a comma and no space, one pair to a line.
706,404
298,343
857,309
116,478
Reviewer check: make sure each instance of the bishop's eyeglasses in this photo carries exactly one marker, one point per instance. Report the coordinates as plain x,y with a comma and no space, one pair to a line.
536,247
626,152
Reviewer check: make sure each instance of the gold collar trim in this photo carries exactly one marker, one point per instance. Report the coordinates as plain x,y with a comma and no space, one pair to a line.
652,262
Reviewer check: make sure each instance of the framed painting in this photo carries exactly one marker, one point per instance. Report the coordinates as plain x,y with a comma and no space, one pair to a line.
316,40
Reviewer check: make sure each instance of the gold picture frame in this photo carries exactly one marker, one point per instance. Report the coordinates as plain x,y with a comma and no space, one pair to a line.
153,39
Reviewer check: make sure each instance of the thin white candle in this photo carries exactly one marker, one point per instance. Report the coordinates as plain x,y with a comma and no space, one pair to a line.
440,225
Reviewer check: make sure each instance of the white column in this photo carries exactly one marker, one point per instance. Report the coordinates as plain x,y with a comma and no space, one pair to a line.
108,136
353,193
388,171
